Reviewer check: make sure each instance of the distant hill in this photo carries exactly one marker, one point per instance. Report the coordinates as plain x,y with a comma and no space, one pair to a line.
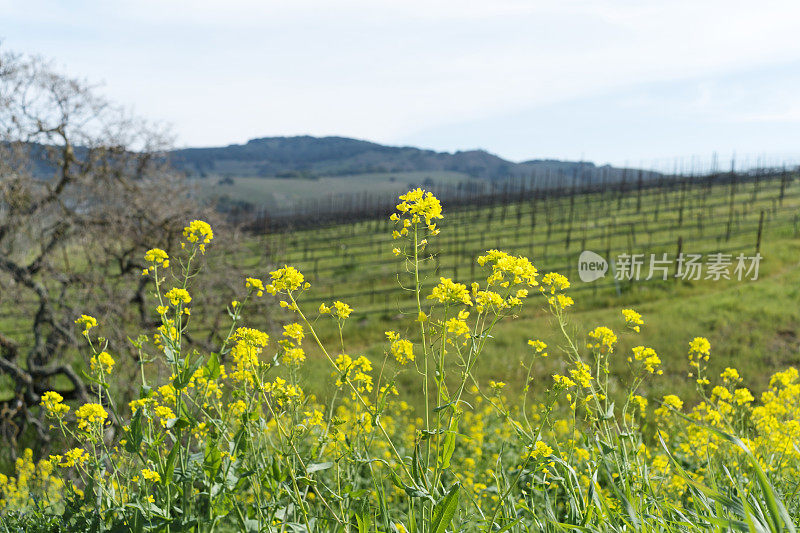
305,156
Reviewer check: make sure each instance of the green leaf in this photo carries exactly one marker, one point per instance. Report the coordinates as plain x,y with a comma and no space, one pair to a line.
364,522
182,380
445,509
134,439
212,460
169,467
449,444
609,414
316,467
94,380
212,366
178,423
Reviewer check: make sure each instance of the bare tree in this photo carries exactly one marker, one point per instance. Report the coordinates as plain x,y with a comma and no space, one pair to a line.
84,189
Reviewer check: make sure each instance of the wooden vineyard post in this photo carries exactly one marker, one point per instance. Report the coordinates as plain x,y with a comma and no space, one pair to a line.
639,193
677,257
622,188
472,267
783,186
682,200
760,228
731,208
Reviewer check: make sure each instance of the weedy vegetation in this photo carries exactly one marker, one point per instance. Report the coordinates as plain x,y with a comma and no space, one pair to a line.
229,440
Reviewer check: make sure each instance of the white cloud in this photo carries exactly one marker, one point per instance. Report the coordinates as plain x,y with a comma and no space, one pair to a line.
224,71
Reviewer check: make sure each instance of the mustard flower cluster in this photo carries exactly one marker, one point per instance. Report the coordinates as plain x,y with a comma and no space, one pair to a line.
151,475
286,279
283,393
338,310
539,450
699,354
102,361
450,292
581,374
602,339
649,358
87,322
52,402
178,296
255,285
401,349
72,458
538,346
200,232
249,343
508,270
458,328
632,319
355,371
293,354
155,256
91,417
552,286
414,207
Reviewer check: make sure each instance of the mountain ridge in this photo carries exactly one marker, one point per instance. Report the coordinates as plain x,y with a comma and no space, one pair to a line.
309,156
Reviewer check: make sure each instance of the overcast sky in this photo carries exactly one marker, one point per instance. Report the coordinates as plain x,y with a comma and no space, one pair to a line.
615,81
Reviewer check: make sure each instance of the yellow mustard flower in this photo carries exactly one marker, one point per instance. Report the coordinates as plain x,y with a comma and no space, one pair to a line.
88,322
103,361
90,416
52,403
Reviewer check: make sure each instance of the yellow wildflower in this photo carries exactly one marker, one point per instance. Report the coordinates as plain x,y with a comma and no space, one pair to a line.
52,403
538,346
539,450
103,361
447,291
90,416
88,322
581,374
198,231
74,457
177,296
603,340
341,309
294,331
632,319
553,282
151,475
255,285
285,279
157,256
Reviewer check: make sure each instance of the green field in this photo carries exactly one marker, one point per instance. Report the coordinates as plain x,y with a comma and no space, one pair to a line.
280,193
259,454
752,324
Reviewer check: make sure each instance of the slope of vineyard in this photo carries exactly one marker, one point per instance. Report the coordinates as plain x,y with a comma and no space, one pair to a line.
353,262
756,321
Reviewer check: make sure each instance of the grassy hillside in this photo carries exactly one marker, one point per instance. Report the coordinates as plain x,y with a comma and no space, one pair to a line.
281,424
281,193
753,324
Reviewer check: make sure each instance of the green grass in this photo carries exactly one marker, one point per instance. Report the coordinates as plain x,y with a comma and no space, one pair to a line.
280,193
752,324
